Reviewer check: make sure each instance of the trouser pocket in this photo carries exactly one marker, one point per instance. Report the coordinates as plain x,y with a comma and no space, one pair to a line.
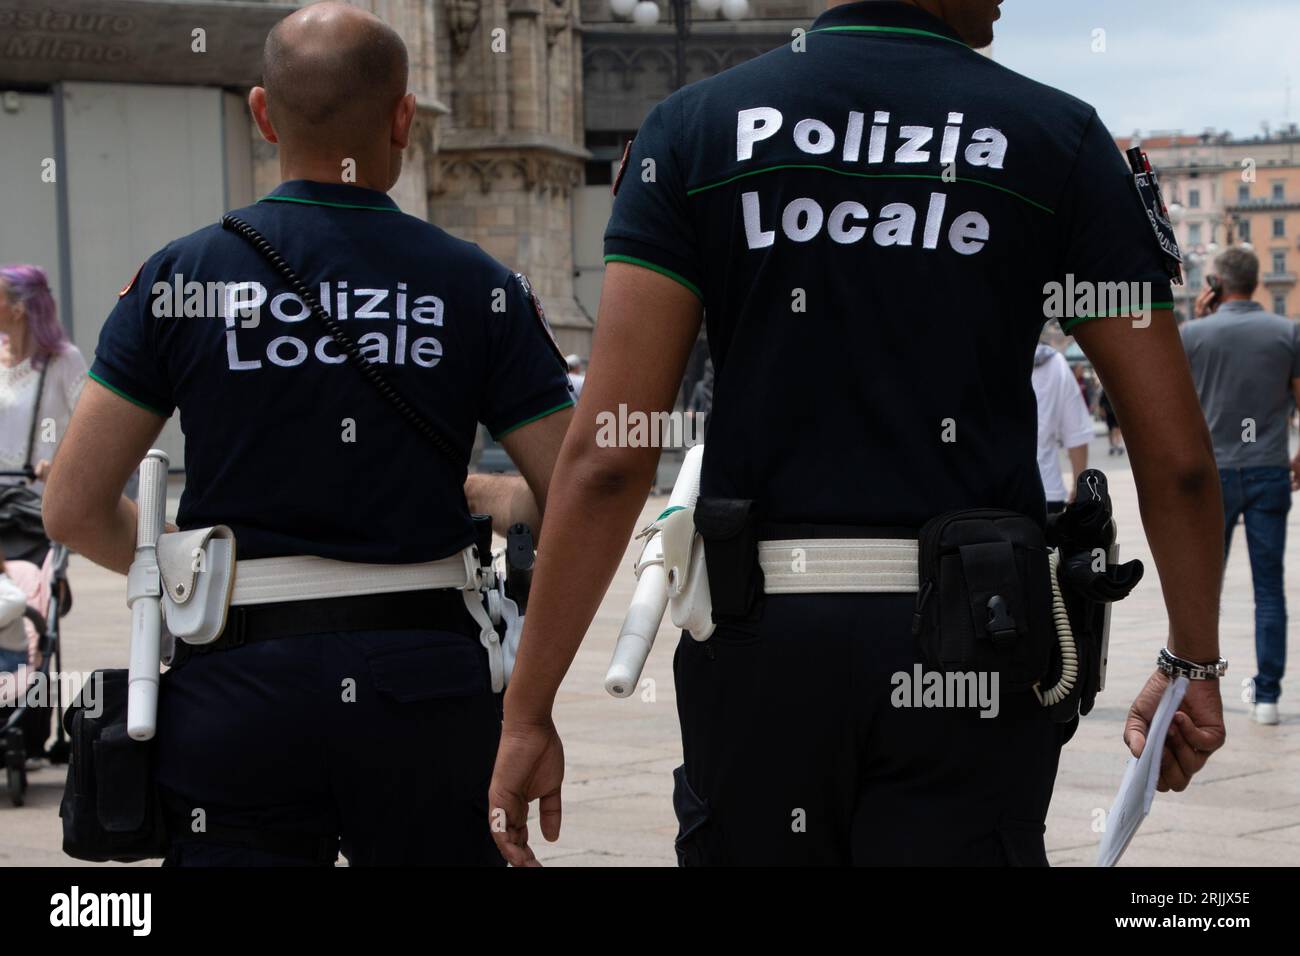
426,666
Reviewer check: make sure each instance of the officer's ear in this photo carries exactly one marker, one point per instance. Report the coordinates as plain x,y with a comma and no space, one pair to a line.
403,116
257,106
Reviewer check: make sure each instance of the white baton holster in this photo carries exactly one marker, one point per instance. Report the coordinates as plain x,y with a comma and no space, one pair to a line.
689,602
198,577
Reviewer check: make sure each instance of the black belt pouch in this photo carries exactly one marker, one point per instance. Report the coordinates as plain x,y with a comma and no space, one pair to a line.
984,602
730,536
110,808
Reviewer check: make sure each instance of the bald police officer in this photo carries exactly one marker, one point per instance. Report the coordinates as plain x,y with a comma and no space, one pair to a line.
880,203
349,718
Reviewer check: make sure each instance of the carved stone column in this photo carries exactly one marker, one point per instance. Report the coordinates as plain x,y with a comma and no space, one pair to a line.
510,151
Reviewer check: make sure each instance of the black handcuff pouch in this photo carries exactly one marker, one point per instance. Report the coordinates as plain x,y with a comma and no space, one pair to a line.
984,598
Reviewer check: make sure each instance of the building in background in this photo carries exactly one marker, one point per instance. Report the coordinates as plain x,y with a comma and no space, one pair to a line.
124,124
1266,213
509,151
1223,190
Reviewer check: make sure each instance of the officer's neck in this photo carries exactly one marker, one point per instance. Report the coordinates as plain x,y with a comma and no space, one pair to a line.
347,171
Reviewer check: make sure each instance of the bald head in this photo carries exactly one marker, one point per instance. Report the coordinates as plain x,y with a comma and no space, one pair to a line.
333,75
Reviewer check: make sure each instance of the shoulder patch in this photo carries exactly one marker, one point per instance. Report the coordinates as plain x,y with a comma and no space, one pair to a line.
540,314
622,167
127,288
1153,204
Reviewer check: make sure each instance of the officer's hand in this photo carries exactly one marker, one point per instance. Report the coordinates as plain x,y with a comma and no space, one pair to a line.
1295,473
1195,733
42,469
530,766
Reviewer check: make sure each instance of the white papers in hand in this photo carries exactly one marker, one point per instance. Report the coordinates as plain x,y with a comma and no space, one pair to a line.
1138,788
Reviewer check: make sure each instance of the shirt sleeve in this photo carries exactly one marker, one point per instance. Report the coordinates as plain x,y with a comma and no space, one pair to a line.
126,359
651,224
527,378
1105,234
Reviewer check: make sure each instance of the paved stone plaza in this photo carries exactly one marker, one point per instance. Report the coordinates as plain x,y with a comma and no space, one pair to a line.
1242,810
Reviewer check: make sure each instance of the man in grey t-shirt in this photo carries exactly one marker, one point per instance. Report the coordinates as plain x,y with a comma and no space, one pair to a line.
1246,365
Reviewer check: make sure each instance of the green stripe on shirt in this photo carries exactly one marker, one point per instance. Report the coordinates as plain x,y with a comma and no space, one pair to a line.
568,403
121,394
676,277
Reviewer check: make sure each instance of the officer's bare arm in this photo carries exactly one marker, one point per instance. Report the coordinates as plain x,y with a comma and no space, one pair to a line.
84,507
644,334
1145,372
511,498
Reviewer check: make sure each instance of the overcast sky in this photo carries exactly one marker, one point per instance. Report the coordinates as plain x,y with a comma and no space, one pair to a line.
1168,64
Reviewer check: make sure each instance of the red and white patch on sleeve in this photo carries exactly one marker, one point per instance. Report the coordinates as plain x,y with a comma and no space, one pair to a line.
127,288
622,167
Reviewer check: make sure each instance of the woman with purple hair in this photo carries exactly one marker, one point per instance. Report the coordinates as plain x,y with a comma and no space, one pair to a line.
41,372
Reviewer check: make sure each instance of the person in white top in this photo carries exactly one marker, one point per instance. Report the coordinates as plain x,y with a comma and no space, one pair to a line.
15,647
32,341
1063,419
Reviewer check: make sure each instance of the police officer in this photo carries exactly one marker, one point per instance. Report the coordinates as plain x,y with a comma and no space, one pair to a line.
878,203
367,721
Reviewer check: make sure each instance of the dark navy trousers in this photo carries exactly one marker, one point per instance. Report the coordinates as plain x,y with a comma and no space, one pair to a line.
796,753
378,743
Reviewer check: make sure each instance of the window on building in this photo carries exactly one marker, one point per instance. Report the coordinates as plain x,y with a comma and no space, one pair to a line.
1279,191
1193,199
1194,234
1243,192
1279,263
1279,228
1279,304
1244,230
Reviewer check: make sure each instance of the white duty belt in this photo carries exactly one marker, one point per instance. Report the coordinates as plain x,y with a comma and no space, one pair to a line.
195,602
310,578
839,565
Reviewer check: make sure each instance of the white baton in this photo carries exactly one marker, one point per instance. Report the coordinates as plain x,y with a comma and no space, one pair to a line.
650,599
143,596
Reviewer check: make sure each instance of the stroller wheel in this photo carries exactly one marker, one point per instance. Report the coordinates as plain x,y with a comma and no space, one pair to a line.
17,780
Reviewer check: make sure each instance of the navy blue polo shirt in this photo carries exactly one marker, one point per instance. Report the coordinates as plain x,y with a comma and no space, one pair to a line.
872,216
285,441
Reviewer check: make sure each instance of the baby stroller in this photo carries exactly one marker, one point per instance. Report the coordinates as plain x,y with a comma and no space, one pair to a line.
39,567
